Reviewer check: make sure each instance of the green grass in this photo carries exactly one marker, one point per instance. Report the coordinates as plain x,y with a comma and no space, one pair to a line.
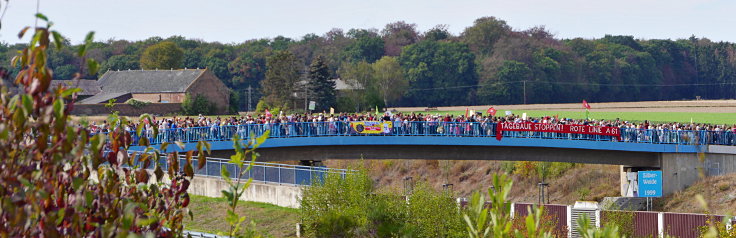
209,216
712,118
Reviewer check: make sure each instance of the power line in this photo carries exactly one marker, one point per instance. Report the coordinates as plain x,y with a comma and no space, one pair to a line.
581,84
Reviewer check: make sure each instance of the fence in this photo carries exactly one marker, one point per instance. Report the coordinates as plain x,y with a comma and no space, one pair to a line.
644,224
260,171
449,129
557,214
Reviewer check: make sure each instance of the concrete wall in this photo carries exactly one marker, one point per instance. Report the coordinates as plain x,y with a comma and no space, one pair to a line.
127,109
680,170
159,97
281,195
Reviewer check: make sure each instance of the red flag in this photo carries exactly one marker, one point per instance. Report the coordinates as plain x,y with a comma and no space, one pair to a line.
492,111
586,105
466,112
268,114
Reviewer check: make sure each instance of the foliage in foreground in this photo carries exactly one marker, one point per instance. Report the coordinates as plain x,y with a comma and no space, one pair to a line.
58,180
236,188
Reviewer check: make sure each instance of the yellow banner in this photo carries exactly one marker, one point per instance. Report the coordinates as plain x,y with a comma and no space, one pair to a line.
371,127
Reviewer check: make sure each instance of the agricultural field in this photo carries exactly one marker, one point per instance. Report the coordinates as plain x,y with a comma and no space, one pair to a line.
712,111
701,117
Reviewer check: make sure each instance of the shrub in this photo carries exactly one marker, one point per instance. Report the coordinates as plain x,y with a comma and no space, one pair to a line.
136,104
583,193
547,223
433,213
337,206
263,106
714,228
723,187
234,103
525,168
197,105
624,220
348,207
508,167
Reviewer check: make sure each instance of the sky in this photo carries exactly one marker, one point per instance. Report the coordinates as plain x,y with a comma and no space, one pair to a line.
230,21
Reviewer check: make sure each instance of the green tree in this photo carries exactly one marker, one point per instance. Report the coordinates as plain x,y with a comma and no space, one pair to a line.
397,35
65,72
364,95
120,62
249,68
281,43
444,70
321,87
507,86
367,46
390,79
281,77
439,32
164,55
483,35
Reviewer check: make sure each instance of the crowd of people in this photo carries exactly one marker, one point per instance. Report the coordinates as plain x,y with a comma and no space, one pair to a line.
476,124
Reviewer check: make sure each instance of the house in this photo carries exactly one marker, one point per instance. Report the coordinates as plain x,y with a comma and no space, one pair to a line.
161,86
341,86
89,87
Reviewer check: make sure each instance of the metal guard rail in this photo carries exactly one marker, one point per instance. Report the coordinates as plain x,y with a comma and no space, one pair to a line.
449,129
260,172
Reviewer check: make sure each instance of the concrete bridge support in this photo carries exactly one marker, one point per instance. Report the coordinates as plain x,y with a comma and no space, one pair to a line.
680,170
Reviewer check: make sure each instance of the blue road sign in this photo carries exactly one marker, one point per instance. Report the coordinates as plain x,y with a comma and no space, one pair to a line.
650,183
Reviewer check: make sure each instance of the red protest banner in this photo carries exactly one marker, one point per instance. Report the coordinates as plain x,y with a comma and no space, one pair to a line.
557,128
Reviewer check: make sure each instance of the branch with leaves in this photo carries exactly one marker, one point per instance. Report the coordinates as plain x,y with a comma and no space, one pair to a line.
59,180
244,158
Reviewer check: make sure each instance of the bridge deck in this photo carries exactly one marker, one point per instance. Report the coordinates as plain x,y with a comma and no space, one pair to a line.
442,134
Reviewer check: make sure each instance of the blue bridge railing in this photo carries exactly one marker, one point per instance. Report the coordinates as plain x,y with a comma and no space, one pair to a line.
449,129
260,171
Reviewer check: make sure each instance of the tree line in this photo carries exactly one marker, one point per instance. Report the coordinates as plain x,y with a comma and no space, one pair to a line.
487,63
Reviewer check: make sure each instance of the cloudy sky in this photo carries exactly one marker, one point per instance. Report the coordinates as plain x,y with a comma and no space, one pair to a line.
236,21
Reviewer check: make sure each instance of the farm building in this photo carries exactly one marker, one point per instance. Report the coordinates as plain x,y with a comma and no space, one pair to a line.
160,86
89,87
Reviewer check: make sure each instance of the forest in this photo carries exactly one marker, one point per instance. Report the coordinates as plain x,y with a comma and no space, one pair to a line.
487,63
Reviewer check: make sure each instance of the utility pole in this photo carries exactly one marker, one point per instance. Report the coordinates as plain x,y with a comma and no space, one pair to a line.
250,94
694,41
306,91
524,91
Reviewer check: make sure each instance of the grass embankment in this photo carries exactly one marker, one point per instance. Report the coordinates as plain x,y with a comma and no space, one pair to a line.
569,183
697,117
718,191
209,216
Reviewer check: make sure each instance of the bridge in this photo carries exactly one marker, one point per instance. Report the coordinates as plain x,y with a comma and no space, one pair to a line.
673,152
